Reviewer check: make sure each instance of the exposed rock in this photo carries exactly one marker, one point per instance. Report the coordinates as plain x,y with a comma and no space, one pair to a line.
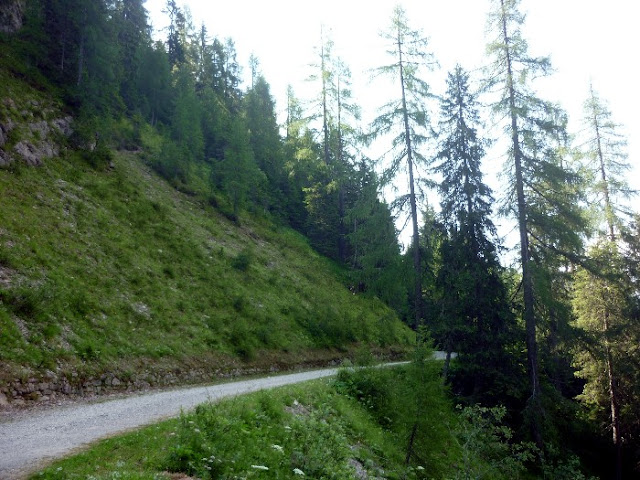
11,15
34,154
4,403
63,125
5,276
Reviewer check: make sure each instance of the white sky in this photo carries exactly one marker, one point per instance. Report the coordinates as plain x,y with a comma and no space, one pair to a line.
587,40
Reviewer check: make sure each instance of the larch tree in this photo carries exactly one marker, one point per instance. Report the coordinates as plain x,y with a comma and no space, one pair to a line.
603,296
540,196
607,163
406,120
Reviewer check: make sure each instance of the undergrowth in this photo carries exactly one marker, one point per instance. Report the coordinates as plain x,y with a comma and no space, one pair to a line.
358,425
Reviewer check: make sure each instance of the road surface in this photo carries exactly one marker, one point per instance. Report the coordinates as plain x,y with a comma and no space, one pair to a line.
31,439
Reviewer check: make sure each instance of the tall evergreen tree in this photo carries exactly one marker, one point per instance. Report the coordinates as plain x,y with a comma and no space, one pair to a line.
154,85
133,35
603,298
607,162
604,305
375,253
539,198
176,47
406,119
264,137
475,317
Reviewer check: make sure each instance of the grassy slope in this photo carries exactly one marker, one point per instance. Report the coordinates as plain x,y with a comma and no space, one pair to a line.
116,270
318,428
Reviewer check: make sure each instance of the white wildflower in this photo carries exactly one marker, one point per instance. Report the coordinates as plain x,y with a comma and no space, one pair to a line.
197,430
259,467
297,471
420,467
278,448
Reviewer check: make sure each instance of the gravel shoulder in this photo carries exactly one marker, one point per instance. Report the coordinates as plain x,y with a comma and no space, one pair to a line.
31,439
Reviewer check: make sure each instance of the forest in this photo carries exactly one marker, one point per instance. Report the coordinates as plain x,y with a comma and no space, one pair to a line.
554,339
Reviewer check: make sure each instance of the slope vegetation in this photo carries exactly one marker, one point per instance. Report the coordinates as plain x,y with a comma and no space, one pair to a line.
109,277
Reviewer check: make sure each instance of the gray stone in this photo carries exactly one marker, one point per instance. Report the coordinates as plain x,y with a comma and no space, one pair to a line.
11,15
4,402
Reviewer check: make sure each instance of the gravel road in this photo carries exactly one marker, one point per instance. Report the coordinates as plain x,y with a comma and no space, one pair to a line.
31,439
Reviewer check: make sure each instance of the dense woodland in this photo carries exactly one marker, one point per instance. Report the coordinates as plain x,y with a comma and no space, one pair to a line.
555,340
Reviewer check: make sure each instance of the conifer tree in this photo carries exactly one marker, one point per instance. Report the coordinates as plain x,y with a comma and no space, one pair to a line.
407,121
603,296
475,318
607,163
133,36
540,198
375,253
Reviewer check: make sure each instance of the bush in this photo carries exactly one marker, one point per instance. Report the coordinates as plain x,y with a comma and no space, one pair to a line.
243,260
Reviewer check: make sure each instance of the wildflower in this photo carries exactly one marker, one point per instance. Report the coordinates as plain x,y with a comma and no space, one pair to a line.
420,467
297,471
278,448
287,428
197,430
259,467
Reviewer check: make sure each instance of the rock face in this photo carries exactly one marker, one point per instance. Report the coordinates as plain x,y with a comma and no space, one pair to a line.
37,128
11,15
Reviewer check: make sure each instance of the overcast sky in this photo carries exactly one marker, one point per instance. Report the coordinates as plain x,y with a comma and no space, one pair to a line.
587,40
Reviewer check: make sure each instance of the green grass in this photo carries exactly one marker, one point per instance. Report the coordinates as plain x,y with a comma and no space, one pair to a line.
317,428
114,270
358,423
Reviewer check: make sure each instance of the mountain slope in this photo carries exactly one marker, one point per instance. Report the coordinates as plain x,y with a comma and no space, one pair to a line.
111,274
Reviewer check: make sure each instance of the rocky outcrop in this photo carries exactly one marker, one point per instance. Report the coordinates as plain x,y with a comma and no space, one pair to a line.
11,15
38,129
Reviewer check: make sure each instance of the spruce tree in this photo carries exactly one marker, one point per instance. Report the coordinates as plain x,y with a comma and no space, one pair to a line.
475,317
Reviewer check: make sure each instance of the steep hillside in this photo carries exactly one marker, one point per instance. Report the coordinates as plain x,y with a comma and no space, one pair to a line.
111,278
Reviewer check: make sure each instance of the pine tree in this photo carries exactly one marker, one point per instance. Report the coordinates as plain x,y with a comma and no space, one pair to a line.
264,137
406,119
133,36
